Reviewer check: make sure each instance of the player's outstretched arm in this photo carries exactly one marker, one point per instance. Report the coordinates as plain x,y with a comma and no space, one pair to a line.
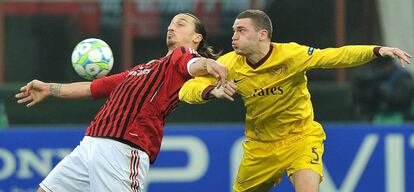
205,66
396,53
36,91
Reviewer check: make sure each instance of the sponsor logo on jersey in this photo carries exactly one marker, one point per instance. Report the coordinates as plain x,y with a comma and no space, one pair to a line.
238,80
140,71
278,90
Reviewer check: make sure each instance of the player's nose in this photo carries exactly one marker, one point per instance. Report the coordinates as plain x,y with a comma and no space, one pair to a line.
170,27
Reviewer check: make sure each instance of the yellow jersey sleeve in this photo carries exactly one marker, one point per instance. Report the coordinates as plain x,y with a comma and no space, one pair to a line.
342,57
192,90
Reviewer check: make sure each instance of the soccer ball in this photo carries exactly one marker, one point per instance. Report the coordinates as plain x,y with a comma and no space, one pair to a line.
92,58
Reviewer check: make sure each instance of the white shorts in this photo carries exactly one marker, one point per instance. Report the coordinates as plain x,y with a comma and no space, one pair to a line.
99,164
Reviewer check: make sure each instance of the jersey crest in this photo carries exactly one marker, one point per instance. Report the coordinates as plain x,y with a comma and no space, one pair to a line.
279,70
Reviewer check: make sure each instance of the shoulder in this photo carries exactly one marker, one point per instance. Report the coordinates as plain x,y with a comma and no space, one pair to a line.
182,55
293,48
229,57
290,46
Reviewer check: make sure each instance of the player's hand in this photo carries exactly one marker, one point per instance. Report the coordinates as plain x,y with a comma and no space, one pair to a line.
396,53
217,70
34,92
225,91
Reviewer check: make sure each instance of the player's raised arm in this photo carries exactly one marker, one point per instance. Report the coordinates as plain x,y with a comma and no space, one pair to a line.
205,66
36,91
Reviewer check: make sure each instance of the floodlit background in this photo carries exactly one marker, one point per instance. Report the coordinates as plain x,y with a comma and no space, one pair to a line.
37,38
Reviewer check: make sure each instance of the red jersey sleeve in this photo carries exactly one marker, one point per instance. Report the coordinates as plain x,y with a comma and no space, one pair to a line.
180,59
102,87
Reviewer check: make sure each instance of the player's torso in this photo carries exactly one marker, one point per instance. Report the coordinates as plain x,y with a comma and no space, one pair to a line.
136,108
154,85
274,94
141,99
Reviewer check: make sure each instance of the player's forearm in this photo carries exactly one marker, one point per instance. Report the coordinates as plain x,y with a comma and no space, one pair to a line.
199,67
79,90
191,92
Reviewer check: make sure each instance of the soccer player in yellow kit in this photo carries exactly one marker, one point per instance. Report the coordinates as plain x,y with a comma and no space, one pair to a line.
281,134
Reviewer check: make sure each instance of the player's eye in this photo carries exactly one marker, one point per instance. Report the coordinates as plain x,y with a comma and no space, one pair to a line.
180,24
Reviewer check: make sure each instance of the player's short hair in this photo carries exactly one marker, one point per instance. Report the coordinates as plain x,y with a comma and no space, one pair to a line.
260,20
203,48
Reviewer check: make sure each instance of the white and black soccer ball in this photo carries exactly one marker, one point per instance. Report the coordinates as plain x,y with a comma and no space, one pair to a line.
92,58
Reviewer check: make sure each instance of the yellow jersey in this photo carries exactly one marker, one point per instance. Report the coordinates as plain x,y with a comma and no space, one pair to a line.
275,93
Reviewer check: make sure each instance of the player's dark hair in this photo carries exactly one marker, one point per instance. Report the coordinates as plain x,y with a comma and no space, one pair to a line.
203,48
260,20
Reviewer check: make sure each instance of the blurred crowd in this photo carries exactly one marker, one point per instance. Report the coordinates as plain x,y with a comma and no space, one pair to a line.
384,94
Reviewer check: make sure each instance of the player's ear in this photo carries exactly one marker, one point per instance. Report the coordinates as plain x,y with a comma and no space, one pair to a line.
263,34
198,38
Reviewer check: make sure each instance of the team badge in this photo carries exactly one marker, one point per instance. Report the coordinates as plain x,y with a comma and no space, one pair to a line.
278,70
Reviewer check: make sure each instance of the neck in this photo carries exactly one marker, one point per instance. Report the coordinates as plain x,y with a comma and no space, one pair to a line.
169,52
258,53
172,47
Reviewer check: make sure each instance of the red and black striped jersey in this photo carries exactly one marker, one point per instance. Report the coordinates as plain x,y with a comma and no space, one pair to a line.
139,100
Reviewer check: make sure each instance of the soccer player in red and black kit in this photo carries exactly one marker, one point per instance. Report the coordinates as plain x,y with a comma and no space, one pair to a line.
125,136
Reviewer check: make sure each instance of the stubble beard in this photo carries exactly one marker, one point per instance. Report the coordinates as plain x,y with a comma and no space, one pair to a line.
170,43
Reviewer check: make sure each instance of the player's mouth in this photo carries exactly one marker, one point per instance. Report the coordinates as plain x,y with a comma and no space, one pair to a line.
234,46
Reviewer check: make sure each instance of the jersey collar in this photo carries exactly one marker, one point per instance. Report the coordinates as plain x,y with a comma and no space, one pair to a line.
254,66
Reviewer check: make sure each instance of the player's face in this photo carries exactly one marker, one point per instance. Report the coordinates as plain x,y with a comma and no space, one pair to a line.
181,32
245,37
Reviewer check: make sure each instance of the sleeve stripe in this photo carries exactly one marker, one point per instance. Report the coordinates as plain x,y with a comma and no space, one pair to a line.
192,51
193,60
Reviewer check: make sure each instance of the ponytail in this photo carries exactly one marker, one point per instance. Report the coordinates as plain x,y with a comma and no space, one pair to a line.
207,51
